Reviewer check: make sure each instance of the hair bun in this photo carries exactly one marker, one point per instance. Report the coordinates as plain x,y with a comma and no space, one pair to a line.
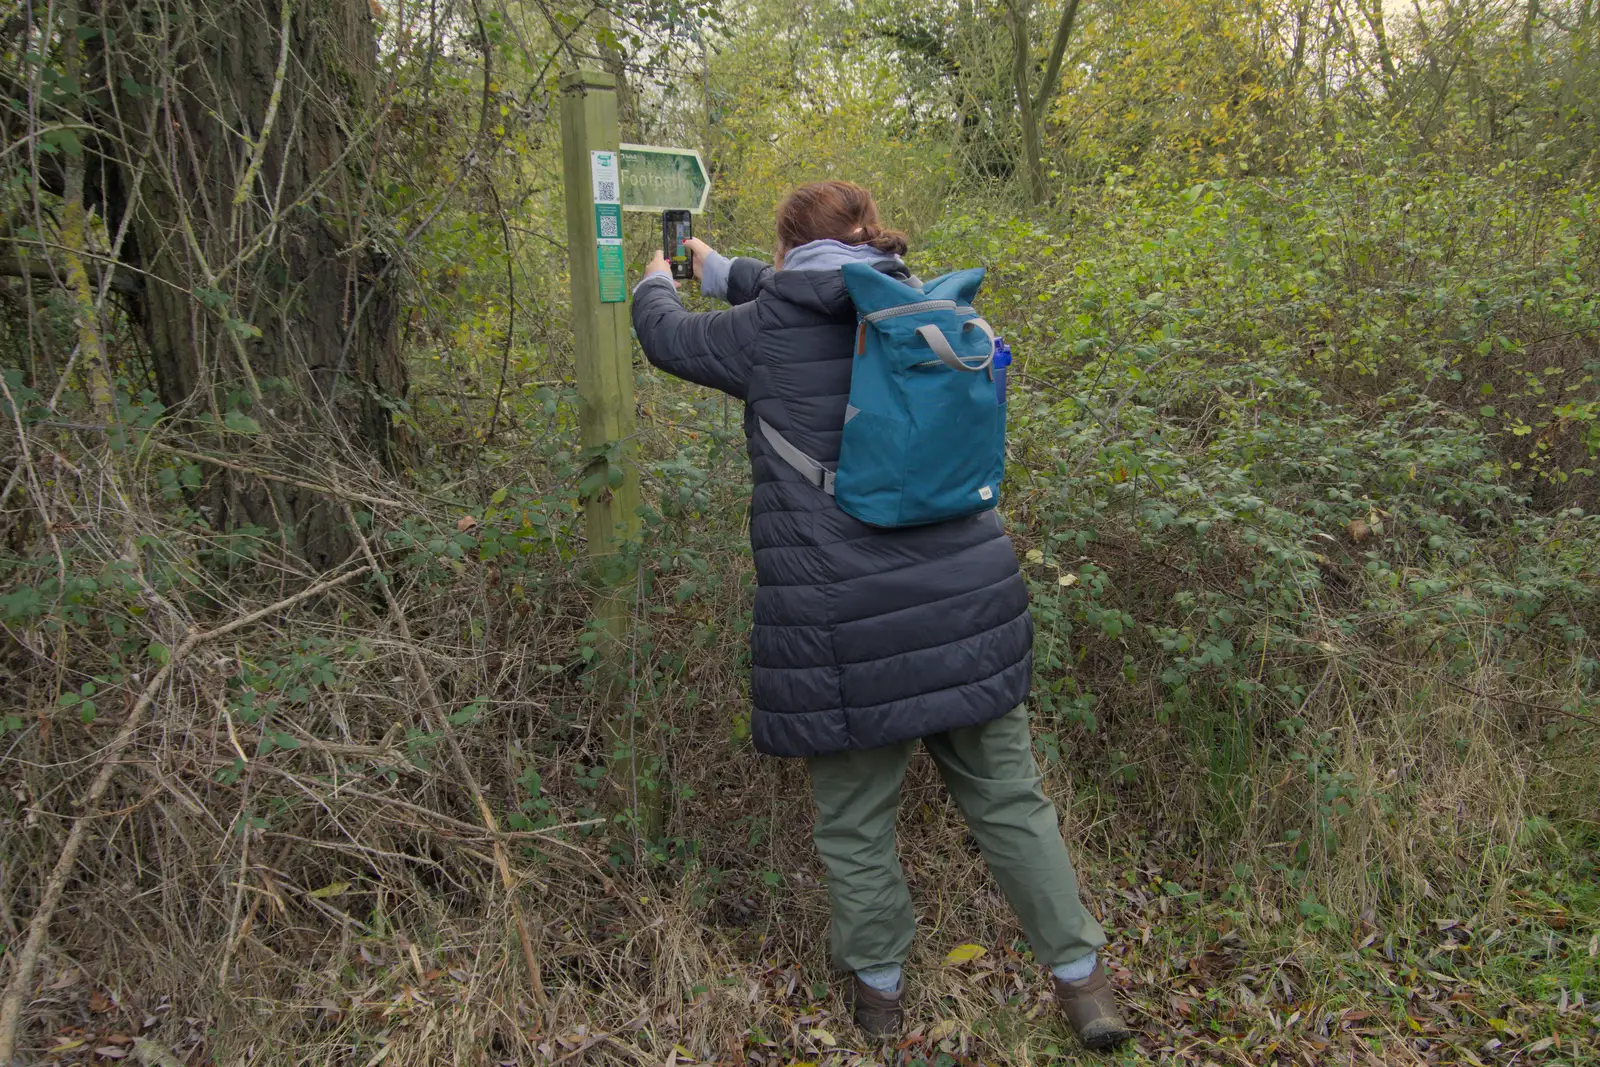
835,210
884,240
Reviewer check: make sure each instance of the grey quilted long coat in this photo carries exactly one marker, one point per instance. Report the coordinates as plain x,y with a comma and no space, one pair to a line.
863,636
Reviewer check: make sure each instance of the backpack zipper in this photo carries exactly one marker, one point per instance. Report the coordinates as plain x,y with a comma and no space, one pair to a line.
910,309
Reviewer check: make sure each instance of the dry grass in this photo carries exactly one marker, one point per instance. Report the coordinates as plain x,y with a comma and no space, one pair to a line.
334,899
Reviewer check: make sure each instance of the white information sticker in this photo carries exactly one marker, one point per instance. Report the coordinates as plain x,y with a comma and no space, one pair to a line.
607,175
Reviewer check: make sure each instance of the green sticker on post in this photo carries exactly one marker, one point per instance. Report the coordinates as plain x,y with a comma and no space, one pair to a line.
613,280
607,190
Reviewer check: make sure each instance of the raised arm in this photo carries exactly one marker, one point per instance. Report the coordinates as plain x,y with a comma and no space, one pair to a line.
710,348
733,280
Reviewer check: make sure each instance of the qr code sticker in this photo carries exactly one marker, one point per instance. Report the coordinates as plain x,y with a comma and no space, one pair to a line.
605,191
610,226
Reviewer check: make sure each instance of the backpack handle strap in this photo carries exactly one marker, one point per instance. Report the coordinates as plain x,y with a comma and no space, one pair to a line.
936,340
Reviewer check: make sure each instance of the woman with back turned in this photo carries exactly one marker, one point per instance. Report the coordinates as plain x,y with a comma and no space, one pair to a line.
867,640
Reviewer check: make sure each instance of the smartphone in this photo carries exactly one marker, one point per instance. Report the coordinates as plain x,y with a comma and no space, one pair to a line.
676,228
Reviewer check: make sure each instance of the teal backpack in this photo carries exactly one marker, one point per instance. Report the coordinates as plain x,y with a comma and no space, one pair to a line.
925,429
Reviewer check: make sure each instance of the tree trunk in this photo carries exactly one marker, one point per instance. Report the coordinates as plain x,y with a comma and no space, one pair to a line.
1031,106
1372,11
1297,54
263,290
1020,62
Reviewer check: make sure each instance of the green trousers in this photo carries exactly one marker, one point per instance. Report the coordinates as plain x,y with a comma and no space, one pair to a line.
991,774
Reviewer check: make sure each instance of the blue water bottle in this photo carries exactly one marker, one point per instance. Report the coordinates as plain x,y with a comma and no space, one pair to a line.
1002,360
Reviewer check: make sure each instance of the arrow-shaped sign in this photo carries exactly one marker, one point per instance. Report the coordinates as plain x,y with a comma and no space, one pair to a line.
655,178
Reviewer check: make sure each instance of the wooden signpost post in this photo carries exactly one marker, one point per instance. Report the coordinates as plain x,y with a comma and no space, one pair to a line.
602,351
601,330
600,183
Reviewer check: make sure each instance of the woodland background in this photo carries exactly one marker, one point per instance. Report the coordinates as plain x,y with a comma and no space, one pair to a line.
313,751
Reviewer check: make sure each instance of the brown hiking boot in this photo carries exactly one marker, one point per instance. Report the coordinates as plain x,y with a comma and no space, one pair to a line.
1090,1006
879,1014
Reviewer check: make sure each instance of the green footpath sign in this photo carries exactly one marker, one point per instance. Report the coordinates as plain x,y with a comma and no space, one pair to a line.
603,172
663,179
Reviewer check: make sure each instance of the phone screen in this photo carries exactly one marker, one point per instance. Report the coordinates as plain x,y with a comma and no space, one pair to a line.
676,228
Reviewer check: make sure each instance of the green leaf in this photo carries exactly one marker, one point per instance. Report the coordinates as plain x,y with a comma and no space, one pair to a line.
65,140
241,423
211,298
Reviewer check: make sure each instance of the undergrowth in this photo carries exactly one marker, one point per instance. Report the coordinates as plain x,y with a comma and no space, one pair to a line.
1300,478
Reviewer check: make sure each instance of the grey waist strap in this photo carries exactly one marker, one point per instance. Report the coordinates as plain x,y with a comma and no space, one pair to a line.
815,473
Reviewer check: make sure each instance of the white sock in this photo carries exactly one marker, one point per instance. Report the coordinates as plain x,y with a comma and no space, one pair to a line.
1076,970
884,979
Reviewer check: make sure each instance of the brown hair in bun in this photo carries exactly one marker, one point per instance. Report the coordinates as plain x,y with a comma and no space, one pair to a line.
838,211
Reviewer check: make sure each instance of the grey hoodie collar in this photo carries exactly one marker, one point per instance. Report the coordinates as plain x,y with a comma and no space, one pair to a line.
831,255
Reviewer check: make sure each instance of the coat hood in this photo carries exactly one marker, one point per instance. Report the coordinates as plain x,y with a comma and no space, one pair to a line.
811,277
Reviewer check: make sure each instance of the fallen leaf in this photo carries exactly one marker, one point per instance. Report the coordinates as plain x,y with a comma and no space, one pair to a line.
823,1036
1540,1045
111,1052
941,1030
1035,555
99,1002
964,954
327,891
71,975
1067,580
153,1055
465,523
